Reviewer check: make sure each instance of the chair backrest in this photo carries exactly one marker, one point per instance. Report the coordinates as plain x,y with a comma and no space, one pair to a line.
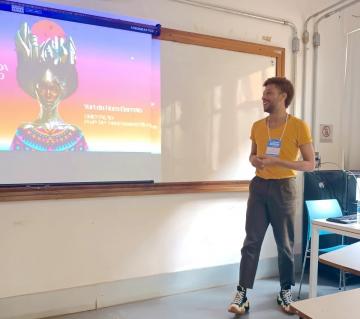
322,208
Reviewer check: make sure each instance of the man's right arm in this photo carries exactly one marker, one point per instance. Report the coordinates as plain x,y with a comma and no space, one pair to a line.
254,159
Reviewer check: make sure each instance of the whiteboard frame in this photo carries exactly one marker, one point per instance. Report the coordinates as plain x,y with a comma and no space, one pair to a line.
95,190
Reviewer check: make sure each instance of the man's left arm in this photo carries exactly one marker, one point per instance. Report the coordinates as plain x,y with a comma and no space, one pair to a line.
307,164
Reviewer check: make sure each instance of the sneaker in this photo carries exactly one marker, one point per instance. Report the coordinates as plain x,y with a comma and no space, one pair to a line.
284,299
240,303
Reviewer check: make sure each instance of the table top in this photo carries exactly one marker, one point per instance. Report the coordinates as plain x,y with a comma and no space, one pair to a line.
347,259
338,305
352,229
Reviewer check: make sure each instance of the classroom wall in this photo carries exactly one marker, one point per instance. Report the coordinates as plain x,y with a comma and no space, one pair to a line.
55,246
331,67
52,245
332,104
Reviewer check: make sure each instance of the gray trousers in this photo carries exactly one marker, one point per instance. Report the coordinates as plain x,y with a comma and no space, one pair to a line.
271,201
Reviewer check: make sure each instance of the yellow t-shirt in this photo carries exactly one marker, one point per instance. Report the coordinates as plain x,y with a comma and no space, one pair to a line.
296,133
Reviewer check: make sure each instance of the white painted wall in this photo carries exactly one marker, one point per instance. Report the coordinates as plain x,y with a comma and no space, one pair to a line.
331,102
51,245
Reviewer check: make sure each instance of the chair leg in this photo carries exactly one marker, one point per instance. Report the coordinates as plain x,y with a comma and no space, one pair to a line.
303,267
340,279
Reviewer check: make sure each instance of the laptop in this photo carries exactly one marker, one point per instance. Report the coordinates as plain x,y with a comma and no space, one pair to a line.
346,219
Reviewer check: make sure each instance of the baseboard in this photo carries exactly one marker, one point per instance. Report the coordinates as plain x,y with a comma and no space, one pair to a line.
102,295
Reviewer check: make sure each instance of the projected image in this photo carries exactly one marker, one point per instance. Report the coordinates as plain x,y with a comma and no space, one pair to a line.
67,86
46,72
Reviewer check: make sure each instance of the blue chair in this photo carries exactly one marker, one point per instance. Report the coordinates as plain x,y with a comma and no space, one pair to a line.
321,209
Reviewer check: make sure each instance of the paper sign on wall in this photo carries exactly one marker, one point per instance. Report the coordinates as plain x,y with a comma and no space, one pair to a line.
326,133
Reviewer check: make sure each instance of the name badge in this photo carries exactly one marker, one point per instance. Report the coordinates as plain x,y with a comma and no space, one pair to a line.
273,148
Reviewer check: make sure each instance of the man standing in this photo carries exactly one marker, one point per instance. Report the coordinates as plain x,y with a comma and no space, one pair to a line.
276,141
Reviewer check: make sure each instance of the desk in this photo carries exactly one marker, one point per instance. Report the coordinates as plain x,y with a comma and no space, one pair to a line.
335,306
346,259
350,230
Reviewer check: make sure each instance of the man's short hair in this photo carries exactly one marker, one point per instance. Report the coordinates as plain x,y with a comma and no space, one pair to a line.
284,85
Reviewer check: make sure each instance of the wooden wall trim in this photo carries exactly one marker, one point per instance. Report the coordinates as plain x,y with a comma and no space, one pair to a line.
226,44
46,192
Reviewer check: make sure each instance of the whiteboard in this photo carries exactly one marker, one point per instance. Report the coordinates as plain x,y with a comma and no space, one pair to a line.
210,98
211,94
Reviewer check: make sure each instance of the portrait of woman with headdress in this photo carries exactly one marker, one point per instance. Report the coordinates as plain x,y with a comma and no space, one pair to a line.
46,71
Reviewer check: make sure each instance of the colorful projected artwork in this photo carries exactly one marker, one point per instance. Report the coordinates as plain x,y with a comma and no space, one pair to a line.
67,86
46,72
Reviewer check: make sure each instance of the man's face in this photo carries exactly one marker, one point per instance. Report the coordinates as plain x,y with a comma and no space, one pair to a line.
272,98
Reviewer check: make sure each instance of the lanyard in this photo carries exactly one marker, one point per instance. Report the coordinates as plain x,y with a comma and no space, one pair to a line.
282,134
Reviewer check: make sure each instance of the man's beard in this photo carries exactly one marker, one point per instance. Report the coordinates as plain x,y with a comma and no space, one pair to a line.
269,108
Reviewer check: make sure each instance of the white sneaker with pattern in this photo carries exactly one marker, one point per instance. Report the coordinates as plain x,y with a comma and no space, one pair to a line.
284,299
240,304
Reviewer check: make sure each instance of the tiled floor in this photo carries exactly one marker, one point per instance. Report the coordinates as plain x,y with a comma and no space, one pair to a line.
209,303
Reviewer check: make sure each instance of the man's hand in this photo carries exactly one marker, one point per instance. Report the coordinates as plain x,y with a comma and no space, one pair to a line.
257,162
269,160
